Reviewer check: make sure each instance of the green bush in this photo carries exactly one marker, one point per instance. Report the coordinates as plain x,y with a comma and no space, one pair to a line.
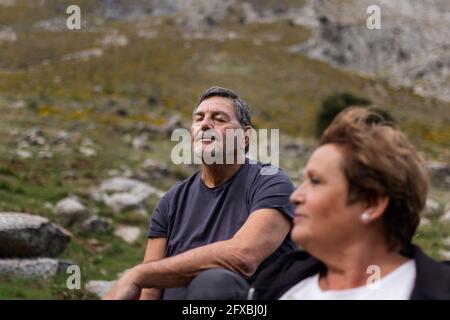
335,103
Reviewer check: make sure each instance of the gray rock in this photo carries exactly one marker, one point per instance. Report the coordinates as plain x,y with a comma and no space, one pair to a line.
446,242
128,233
446,217
53,24
120,202
439,174
87,148
96,224
114,39
297,149
31,268
24,154
155,169
122,194
70,211
7,3
120,184
173,123
445,254
99,288
411,50
25,236
7,34
432,208
45,153
83,55
141,142
113,172
424,222
61,137
34,136
18,104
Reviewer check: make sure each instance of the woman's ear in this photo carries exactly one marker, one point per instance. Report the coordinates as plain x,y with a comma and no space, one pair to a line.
375,211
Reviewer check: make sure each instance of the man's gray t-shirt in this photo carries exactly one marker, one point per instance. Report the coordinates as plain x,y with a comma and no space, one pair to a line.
191,215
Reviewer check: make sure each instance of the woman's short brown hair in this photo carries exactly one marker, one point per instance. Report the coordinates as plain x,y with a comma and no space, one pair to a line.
380,161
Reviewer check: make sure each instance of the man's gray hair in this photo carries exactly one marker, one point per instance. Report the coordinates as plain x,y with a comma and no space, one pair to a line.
242,109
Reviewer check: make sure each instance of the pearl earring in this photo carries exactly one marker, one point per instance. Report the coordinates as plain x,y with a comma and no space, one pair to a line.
365,216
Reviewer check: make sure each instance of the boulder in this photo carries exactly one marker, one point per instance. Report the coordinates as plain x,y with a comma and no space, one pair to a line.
99,288
32,268
25,236
96,224
122,194
432,208
173,123
141,142
87,148
424,222
70,210
154,169
128,233
34,136
446,242
439,174
445,254
24,154
446,217
297,149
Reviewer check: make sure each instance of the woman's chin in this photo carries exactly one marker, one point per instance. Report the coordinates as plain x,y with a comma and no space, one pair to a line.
299,236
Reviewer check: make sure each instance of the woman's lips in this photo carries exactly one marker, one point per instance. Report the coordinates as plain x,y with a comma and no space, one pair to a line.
299,216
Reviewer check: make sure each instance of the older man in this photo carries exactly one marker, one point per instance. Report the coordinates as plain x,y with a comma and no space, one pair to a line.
213,232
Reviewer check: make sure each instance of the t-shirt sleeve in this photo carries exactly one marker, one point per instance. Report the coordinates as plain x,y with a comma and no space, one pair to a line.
273,192
159,222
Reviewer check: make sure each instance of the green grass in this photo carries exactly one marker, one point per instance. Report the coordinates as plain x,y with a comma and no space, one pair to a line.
430,237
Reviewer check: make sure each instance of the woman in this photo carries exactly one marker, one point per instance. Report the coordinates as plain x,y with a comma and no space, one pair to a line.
356,214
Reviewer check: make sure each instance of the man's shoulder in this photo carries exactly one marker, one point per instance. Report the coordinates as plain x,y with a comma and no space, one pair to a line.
260,171
179,186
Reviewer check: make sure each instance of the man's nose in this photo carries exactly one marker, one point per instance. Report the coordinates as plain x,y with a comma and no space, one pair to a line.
206,123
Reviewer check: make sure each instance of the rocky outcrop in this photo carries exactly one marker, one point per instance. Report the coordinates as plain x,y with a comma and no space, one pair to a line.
127,233
411,49
70,211
432,209
33,268
99,288
122,194
439,174
96,224
27,243
25,235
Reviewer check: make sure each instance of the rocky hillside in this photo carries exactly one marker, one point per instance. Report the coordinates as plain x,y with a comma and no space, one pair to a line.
412,48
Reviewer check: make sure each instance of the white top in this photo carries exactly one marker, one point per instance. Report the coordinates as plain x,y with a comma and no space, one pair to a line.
397,285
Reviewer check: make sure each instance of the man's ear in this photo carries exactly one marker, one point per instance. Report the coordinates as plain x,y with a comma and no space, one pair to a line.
191,130
247,134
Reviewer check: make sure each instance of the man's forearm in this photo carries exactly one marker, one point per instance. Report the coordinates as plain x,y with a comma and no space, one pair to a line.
151,294
178,271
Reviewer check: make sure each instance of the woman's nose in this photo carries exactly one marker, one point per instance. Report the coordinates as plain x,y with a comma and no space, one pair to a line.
297,197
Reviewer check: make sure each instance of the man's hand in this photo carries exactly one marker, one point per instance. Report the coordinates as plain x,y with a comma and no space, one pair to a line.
126,288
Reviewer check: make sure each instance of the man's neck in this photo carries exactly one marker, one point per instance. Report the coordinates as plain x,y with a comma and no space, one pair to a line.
216,174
